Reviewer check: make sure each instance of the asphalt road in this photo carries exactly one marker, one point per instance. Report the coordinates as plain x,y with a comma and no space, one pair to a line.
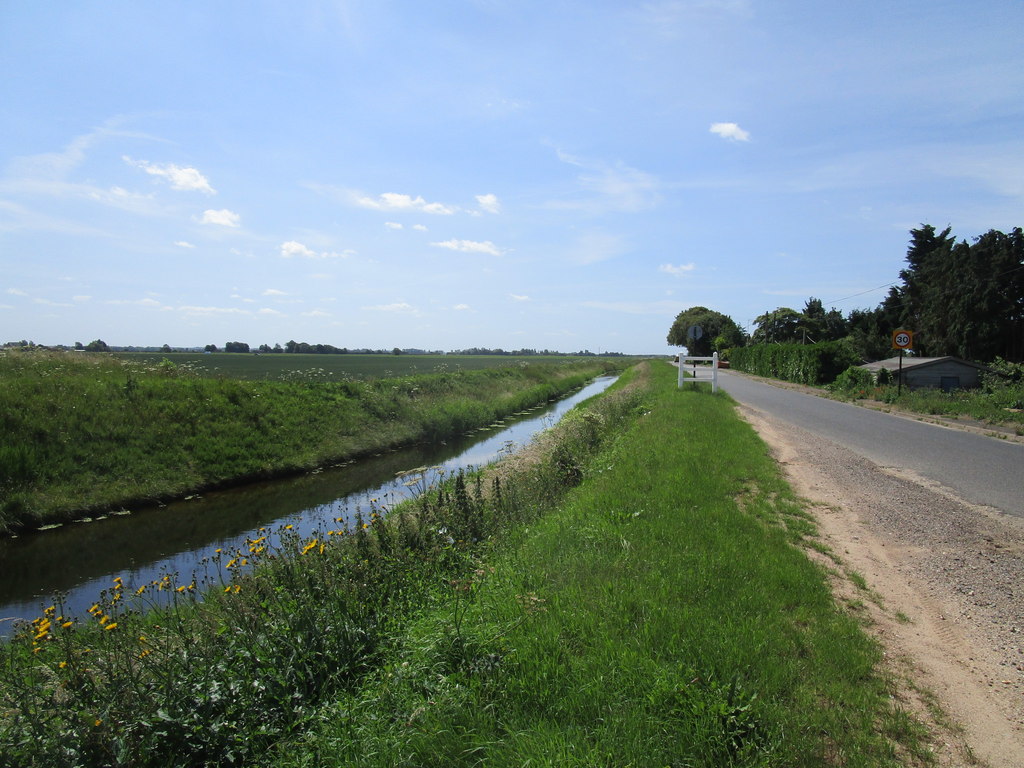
979,469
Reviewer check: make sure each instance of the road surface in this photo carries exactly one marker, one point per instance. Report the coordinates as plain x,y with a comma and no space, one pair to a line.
977,468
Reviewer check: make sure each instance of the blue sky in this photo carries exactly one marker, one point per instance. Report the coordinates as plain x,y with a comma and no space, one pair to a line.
560,174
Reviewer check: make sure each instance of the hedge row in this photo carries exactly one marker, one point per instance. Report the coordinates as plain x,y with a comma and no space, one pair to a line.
801,363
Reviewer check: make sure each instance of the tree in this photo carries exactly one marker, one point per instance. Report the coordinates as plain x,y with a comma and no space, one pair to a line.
236,346
780,326
210,348
166,348
820,325
97,346
719,331
963,299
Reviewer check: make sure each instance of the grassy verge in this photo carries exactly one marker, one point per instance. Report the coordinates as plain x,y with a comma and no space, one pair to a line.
628,592
660,616
90,432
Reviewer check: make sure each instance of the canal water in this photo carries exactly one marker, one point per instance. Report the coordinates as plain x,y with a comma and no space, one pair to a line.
79,560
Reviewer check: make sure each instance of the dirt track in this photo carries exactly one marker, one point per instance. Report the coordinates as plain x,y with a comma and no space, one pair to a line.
945,590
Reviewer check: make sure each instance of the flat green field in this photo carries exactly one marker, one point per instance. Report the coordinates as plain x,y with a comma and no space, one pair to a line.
333,367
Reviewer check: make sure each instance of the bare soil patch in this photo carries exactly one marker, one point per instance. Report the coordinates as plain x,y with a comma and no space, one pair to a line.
944,596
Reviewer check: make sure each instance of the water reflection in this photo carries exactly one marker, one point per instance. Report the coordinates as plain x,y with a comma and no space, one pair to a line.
80,559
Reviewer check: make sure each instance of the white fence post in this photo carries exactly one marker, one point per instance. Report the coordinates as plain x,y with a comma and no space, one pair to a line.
714,370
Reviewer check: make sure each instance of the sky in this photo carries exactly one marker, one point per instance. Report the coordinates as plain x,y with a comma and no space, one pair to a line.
561,175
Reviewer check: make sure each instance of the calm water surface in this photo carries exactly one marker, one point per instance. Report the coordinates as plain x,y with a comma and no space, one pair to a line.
81,559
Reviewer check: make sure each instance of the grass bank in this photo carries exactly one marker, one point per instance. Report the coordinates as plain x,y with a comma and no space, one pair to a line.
629,591
663,614
85,432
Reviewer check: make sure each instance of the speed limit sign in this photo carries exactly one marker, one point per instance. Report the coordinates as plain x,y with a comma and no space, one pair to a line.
902,339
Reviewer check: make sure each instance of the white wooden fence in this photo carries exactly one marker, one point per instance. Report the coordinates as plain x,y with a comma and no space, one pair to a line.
700,372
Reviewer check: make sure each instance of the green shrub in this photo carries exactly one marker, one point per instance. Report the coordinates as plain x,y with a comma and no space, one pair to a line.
811,364
854,380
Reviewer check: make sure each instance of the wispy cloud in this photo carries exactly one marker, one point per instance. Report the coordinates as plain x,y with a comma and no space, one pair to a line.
597,246
294,249
393,225
182,179
730,131
518,297
470,246
183,244
398,306
195,311
611,187
223,217
677,271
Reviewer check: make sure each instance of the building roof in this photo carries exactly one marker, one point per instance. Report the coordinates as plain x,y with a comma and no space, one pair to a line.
893,363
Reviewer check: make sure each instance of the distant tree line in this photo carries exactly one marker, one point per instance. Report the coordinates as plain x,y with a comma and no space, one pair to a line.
301,347
959,298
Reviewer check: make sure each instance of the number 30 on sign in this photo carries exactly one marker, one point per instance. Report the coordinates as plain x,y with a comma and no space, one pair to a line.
902,339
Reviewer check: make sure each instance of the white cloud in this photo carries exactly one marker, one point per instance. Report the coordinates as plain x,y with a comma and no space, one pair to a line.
393,201
399,306
393,225
266,311
489,203
730,131
316,313
419,227
470,246
207,311
223,217
517,297
183,179
81,298
273,292
48,303
677,271
292,249
461,307
16,292
183,244
137,303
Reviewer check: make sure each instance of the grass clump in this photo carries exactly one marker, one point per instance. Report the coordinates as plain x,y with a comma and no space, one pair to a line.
85,433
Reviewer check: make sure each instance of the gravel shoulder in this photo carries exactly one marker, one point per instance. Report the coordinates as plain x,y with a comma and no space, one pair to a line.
944,590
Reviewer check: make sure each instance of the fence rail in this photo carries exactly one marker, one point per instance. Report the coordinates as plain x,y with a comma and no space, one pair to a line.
702,373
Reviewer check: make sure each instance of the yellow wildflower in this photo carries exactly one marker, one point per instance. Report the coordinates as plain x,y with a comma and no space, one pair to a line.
112,625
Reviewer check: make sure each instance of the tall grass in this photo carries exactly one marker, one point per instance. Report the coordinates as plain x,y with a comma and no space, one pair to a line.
87,432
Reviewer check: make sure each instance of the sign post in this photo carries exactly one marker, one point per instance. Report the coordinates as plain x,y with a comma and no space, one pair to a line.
693,333
902,340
